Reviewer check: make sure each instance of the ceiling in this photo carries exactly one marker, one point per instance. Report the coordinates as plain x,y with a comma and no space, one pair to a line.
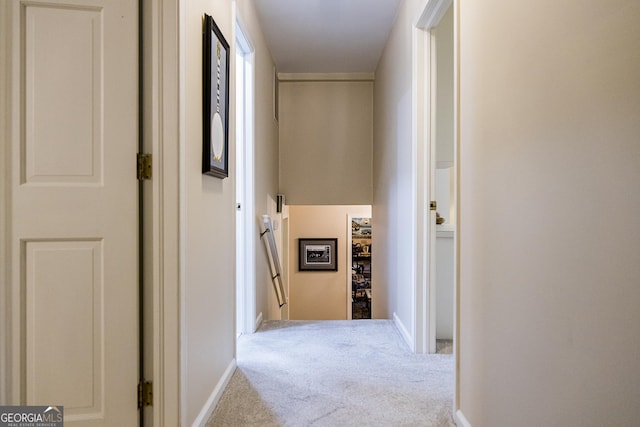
326,36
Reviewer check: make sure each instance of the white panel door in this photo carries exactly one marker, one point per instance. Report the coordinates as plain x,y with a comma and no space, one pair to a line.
73,223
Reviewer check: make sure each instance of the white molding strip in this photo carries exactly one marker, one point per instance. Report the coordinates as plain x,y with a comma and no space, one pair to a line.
215,396
433,12
258,322
182,206
325,77
461,420
163,208
403,331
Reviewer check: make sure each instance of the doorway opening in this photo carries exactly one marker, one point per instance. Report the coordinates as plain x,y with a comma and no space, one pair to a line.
436,77
245,224
443,182
436,136
361,290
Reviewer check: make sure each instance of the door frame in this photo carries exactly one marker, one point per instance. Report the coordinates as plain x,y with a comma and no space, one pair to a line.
423,86
248,292
12,369
423,140
163,208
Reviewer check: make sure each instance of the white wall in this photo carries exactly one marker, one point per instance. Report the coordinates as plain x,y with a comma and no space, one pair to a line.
321,295
208,330
393,183
549,202
208,233
326,142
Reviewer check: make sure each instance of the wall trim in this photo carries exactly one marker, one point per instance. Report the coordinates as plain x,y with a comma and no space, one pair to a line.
326,77
216,394
432,13
424,322
13,370
460,419
403,331
249,323
180,94
258,322
456,243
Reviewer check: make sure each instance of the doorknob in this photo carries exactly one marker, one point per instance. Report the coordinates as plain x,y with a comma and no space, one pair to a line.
433,205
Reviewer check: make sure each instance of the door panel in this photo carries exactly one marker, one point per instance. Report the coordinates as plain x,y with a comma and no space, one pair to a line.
74,207
63,140
58,272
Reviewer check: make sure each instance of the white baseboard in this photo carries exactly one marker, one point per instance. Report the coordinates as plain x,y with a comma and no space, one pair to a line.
461,420
215,396
258,322
403,331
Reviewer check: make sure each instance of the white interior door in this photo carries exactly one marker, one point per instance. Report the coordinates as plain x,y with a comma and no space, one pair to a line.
241,201
245,218
73,207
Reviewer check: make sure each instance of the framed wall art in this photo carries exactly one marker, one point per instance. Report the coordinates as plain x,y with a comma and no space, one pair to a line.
215,85
318,254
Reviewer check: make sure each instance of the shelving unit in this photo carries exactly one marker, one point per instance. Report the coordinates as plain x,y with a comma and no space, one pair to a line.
361,268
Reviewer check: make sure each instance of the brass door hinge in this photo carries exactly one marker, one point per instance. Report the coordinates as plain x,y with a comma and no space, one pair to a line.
144,166
145,393
433,205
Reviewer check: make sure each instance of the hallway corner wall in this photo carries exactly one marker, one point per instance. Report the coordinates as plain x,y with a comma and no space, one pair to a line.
208,211
208,230
265,154
549,229
393,214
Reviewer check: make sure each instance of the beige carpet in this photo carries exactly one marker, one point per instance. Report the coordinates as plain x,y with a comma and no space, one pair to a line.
335,373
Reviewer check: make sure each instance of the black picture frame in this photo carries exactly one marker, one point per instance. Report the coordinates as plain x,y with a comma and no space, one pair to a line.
215,108
318,254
